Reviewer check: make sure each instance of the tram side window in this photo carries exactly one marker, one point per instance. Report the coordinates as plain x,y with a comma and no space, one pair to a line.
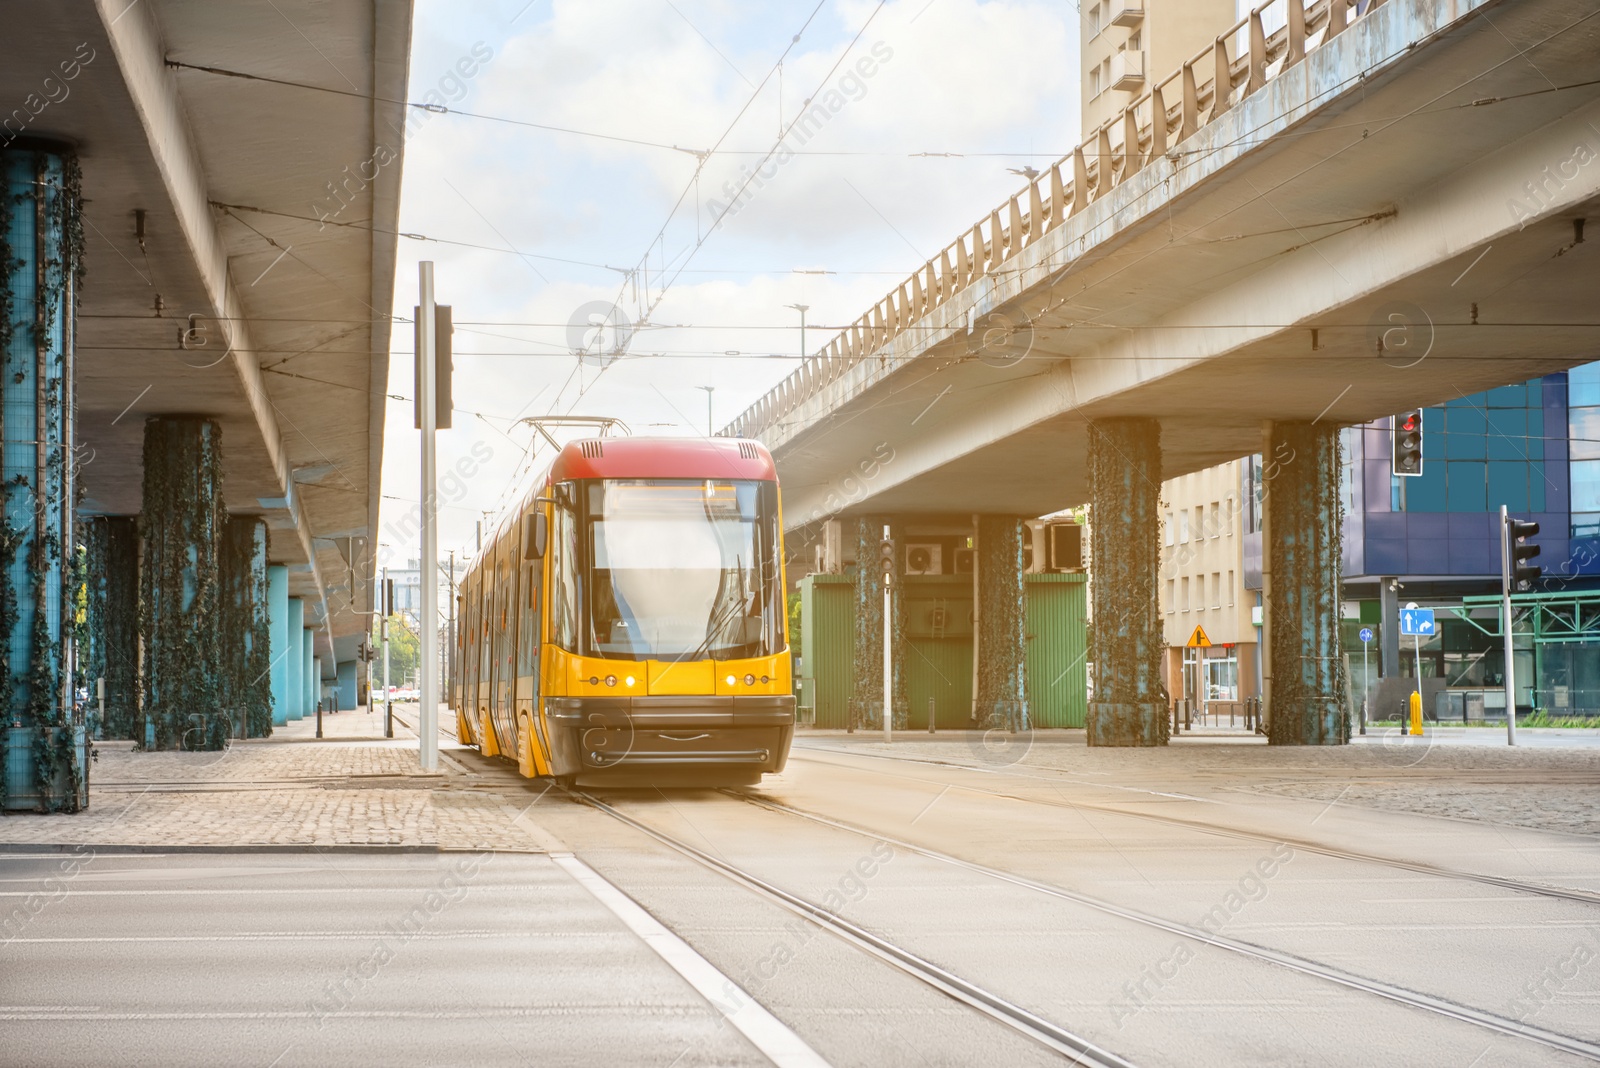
563,594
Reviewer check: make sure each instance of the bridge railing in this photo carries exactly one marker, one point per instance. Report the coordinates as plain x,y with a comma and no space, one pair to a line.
1242,60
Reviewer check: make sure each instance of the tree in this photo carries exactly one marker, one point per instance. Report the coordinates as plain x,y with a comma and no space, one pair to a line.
405,651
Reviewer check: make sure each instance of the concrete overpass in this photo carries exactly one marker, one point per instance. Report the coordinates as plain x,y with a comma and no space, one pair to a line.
1415,172
289,348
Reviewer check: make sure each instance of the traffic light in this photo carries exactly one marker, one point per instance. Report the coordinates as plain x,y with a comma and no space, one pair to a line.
1408,443
1523,574
886,555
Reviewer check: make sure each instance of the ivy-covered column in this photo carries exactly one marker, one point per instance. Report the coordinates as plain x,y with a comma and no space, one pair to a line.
180,584
1125,488
1002,624
278,614
112,651
866,698
246,626
41,264
1302,501
295,658
313,672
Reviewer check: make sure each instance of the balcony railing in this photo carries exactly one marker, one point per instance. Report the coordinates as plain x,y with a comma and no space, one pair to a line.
1243,59
1127,69
1125,12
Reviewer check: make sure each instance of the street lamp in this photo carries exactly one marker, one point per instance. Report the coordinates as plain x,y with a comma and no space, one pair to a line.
709,390
802,309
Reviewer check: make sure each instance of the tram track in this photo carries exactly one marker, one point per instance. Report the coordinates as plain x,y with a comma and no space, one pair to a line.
1050,1035
1587,897
1292,962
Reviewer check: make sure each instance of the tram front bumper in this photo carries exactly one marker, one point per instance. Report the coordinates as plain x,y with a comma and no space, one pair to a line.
596,734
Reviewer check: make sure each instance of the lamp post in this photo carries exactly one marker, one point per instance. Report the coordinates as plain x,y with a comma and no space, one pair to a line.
709,390
802,309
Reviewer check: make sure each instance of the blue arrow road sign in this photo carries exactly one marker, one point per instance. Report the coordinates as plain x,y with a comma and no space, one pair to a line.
1416,621
1366,634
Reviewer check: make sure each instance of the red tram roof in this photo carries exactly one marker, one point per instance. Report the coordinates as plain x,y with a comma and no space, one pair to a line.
664,458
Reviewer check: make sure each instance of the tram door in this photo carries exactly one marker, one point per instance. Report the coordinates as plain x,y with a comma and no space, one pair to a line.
503,624
530,575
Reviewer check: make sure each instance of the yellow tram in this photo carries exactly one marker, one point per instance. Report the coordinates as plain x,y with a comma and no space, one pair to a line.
626,621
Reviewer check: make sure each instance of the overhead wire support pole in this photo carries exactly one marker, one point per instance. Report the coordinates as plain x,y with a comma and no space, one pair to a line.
428,713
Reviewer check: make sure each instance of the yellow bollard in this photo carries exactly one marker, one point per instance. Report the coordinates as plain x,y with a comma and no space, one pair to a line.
1416,714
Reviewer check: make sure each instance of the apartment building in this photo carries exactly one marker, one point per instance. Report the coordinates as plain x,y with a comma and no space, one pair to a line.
1126,43
1205,516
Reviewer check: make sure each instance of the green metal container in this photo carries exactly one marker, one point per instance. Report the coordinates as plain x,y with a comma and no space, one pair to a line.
939,657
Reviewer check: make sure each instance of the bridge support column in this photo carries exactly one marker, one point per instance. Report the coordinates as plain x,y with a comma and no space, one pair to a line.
1307,702
111,547
313,675
180,584
41,254
866,699
347,685
1125,486
295,659
278,622
1002,624
246,636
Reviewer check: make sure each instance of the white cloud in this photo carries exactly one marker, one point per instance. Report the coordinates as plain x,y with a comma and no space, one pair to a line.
964,76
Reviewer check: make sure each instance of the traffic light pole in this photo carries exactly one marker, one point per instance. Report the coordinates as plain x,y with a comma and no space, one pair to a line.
428,667
1505,626
383,636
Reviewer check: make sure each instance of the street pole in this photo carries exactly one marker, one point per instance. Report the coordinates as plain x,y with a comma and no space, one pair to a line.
1505,627
1366,686
383,636
428,713
802,309
709,421
888,651
450,647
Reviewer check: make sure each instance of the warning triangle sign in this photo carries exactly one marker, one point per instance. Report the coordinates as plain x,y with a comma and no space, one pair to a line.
1198,639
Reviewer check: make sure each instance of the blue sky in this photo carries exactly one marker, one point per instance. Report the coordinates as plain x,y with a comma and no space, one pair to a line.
869,197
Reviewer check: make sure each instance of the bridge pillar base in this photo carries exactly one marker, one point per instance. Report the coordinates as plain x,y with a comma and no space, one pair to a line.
1125,486
866,699
1128,725
247,626
1307,704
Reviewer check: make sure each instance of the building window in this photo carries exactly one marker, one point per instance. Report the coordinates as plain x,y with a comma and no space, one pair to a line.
1185,587
1171,534
1216,519
1172,604
1094,83
1183,527
1230,589
1216,589
1480,452
1094,20
1199,522
1230,516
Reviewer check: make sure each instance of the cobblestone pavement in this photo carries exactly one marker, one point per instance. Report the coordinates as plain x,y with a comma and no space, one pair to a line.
1547,788
352,787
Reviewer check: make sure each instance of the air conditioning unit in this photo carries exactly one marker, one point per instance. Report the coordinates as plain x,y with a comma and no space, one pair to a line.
924,558
963,562
1065,541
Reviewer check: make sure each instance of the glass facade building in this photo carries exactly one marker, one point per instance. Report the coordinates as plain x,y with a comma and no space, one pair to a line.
1533,447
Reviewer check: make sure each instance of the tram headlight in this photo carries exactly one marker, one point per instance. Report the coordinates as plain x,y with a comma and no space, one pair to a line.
749,680
611,680
629,680
732,681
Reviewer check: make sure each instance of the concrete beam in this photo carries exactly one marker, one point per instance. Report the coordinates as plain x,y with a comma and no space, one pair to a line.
136,41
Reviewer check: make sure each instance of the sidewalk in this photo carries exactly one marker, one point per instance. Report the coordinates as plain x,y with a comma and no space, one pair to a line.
351,788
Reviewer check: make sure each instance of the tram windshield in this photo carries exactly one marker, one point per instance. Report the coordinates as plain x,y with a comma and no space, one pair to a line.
682,569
